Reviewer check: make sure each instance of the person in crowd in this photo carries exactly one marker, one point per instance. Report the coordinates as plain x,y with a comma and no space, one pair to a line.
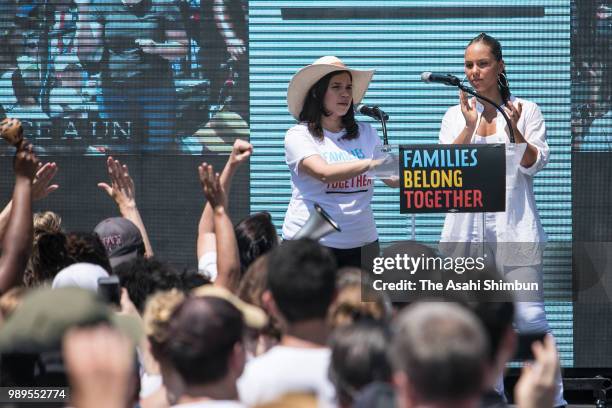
143,277
328,153
81,275
302,280
160,383
41,187
205,346
537,386
251,290
31,343
228,259
121,240
255,234
359,357
17,240
132,43
355,300
87,247
99,363
49,250
514,238
123,193
439,352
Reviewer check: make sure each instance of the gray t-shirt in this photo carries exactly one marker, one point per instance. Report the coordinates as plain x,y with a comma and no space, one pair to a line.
122,25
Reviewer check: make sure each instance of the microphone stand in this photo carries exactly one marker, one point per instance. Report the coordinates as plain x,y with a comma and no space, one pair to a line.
387,149
499,108
383,123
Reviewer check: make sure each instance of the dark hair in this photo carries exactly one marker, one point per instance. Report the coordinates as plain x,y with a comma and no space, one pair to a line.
192,279
256,235
496,50
143,277
302,279
87,247
202,334
358,358
314,109
49,256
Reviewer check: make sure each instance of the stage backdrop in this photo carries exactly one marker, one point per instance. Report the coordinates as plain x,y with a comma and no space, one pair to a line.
401,39
164,89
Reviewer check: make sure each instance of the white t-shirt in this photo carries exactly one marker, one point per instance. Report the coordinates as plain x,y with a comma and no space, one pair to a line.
207,265
347,202
282,370
211,404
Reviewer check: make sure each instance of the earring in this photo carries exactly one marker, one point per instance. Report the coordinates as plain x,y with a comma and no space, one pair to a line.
502,80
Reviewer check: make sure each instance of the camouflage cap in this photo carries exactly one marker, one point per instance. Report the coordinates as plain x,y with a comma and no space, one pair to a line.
45,315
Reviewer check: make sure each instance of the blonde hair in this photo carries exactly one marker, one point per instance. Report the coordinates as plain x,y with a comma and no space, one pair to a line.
157,313
348,306
47,221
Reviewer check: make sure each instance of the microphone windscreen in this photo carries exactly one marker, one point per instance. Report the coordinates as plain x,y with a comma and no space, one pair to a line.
426,76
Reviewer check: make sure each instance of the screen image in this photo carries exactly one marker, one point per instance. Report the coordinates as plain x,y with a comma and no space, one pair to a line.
107,76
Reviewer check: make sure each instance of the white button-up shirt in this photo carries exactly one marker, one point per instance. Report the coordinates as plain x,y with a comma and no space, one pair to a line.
520,222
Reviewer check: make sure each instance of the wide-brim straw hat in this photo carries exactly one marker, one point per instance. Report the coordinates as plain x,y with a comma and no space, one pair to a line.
306,77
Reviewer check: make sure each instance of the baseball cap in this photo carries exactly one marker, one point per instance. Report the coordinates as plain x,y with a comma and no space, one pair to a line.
121,238
45,315
81,275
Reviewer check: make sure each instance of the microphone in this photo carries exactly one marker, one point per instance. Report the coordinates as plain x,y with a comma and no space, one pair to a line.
446,79
373,112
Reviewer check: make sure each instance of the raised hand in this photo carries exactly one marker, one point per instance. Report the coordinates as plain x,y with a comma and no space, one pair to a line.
121,189
468,108
536,386
211,185
26,163
41,186
241,151
99,362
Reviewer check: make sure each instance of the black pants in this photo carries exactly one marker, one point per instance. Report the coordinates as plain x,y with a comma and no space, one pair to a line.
360,257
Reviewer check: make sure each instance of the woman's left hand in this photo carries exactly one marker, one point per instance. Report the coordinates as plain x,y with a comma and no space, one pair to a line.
513,112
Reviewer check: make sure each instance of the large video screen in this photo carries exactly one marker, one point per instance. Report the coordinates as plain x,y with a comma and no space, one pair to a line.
126,76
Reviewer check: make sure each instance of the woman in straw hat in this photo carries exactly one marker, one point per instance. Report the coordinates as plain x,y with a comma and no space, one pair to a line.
328,153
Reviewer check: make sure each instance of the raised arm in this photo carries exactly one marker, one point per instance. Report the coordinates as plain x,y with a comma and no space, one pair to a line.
41,187
241,151
122,191
228,259
17,242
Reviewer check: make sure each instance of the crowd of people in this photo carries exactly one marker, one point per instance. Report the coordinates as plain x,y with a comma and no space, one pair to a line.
258,324
265,323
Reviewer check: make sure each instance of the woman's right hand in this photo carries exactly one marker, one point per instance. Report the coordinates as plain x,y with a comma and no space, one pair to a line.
468,108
